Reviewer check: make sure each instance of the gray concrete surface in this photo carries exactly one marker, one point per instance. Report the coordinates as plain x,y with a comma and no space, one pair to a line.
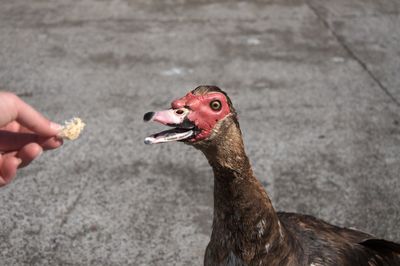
316,84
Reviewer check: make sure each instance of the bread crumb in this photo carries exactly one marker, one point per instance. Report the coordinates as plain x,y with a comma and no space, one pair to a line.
72,129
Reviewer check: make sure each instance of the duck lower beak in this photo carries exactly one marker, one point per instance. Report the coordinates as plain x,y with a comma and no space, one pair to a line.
177,118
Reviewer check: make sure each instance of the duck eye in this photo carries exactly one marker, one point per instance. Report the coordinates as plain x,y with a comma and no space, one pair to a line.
216,105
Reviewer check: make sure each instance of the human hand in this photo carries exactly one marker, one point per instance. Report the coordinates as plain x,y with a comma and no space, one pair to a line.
24,134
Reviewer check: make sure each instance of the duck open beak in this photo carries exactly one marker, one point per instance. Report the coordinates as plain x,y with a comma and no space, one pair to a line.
182,129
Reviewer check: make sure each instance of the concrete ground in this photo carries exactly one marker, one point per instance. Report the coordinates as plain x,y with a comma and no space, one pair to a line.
316,84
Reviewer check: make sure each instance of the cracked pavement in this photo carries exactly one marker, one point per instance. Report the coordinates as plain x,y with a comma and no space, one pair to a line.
315,84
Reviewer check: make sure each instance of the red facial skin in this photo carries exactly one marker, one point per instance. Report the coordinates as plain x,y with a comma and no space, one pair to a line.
201,114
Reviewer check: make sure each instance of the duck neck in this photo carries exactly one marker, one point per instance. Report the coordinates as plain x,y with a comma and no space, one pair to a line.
243,213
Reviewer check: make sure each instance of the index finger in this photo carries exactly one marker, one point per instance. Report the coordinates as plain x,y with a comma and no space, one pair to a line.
16,109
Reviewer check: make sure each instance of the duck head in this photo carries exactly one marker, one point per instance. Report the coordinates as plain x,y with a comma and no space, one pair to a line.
194,118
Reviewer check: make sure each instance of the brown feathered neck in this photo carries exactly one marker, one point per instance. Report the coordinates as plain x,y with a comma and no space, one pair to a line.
244,219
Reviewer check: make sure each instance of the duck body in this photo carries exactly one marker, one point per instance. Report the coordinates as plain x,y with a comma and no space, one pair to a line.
248,231
308,244
246,228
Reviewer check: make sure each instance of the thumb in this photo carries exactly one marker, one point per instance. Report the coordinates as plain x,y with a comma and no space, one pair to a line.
11,141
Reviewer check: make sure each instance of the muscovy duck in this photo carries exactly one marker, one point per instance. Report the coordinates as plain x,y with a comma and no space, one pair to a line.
246,229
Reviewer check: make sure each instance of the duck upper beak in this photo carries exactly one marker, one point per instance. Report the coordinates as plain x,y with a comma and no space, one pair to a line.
177,118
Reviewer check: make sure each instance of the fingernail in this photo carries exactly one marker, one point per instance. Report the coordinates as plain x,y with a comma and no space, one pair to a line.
55,126
19,161
58,140
2,182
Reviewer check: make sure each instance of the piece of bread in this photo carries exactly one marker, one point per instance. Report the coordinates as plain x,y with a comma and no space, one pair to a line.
72,129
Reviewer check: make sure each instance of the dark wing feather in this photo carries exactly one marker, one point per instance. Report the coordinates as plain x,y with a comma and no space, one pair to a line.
383,252
333,245
381,245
